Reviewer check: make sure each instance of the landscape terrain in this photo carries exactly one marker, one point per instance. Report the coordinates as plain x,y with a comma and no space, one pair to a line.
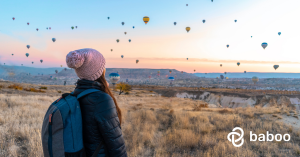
162,121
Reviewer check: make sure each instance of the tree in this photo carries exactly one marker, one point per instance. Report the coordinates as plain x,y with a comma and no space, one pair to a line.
123,87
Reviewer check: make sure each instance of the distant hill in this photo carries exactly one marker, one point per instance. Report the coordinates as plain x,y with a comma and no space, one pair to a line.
125,73
250,75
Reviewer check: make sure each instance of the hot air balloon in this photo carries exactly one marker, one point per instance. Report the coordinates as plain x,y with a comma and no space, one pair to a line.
187,29
149,77
47,28
50,28
65,69
118,40
187,58
4,63
203,21
27,54
220,65
255,79
133,27
32,62
245,72
13,18
264,45
27,23
56,71
225,73
194,70
276,66
28,46
171,79
238,63
114,78
235,20
146,19
251,36
136,61
181,71
212,0
217,78
53,39
108,18
76,27
170,71
41,61
226,78
158,71
122,56
123,23
227,46
125,33
37,29
12,54
279,33
22,64
111,50
72,27
187,4
60,65
129,40
175,23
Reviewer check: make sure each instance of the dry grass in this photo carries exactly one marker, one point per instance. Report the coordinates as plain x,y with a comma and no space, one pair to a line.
156,127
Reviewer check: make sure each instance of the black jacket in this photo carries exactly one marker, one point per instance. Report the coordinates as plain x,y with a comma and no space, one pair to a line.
100,122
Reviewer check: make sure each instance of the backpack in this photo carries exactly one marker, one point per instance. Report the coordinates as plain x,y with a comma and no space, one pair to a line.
62,127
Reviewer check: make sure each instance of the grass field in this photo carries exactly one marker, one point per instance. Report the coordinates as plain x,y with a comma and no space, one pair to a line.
156,126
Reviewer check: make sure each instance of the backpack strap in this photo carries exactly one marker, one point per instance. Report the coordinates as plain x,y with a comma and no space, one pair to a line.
86,92
97,150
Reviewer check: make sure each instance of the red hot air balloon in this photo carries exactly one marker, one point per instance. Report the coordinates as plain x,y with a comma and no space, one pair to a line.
13,18
27,23
37,29
50,28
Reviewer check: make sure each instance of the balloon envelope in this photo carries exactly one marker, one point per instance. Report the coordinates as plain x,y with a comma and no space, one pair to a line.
53,39
255,79
188,29
276,66
264,45
171,78
146,19
114,78
27,54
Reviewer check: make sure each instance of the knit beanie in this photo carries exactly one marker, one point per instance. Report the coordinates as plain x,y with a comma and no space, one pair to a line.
88,63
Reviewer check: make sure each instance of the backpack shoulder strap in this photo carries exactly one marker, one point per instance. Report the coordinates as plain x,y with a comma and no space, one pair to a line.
86,92
97,150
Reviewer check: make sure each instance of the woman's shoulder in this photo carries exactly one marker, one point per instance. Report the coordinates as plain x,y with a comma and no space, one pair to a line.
100,97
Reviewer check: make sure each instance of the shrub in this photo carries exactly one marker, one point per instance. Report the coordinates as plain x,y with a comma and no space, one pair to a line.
43,87
34,90
225,111
14,86
59,91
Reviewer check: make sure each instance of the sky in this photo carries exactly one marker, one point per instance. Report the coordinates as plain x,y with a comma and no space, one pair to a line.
159,44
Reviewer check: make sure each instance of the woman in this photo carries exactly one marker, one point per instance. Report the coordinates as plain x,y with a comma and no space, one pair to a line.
101,116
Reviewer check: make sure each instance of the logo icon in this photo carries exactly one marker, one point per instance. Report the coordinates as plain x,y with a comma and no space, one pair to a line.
230,137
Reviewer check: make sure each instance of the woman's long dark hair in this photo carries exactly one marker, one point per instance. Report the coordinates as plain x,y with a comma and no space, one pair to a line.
105,89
